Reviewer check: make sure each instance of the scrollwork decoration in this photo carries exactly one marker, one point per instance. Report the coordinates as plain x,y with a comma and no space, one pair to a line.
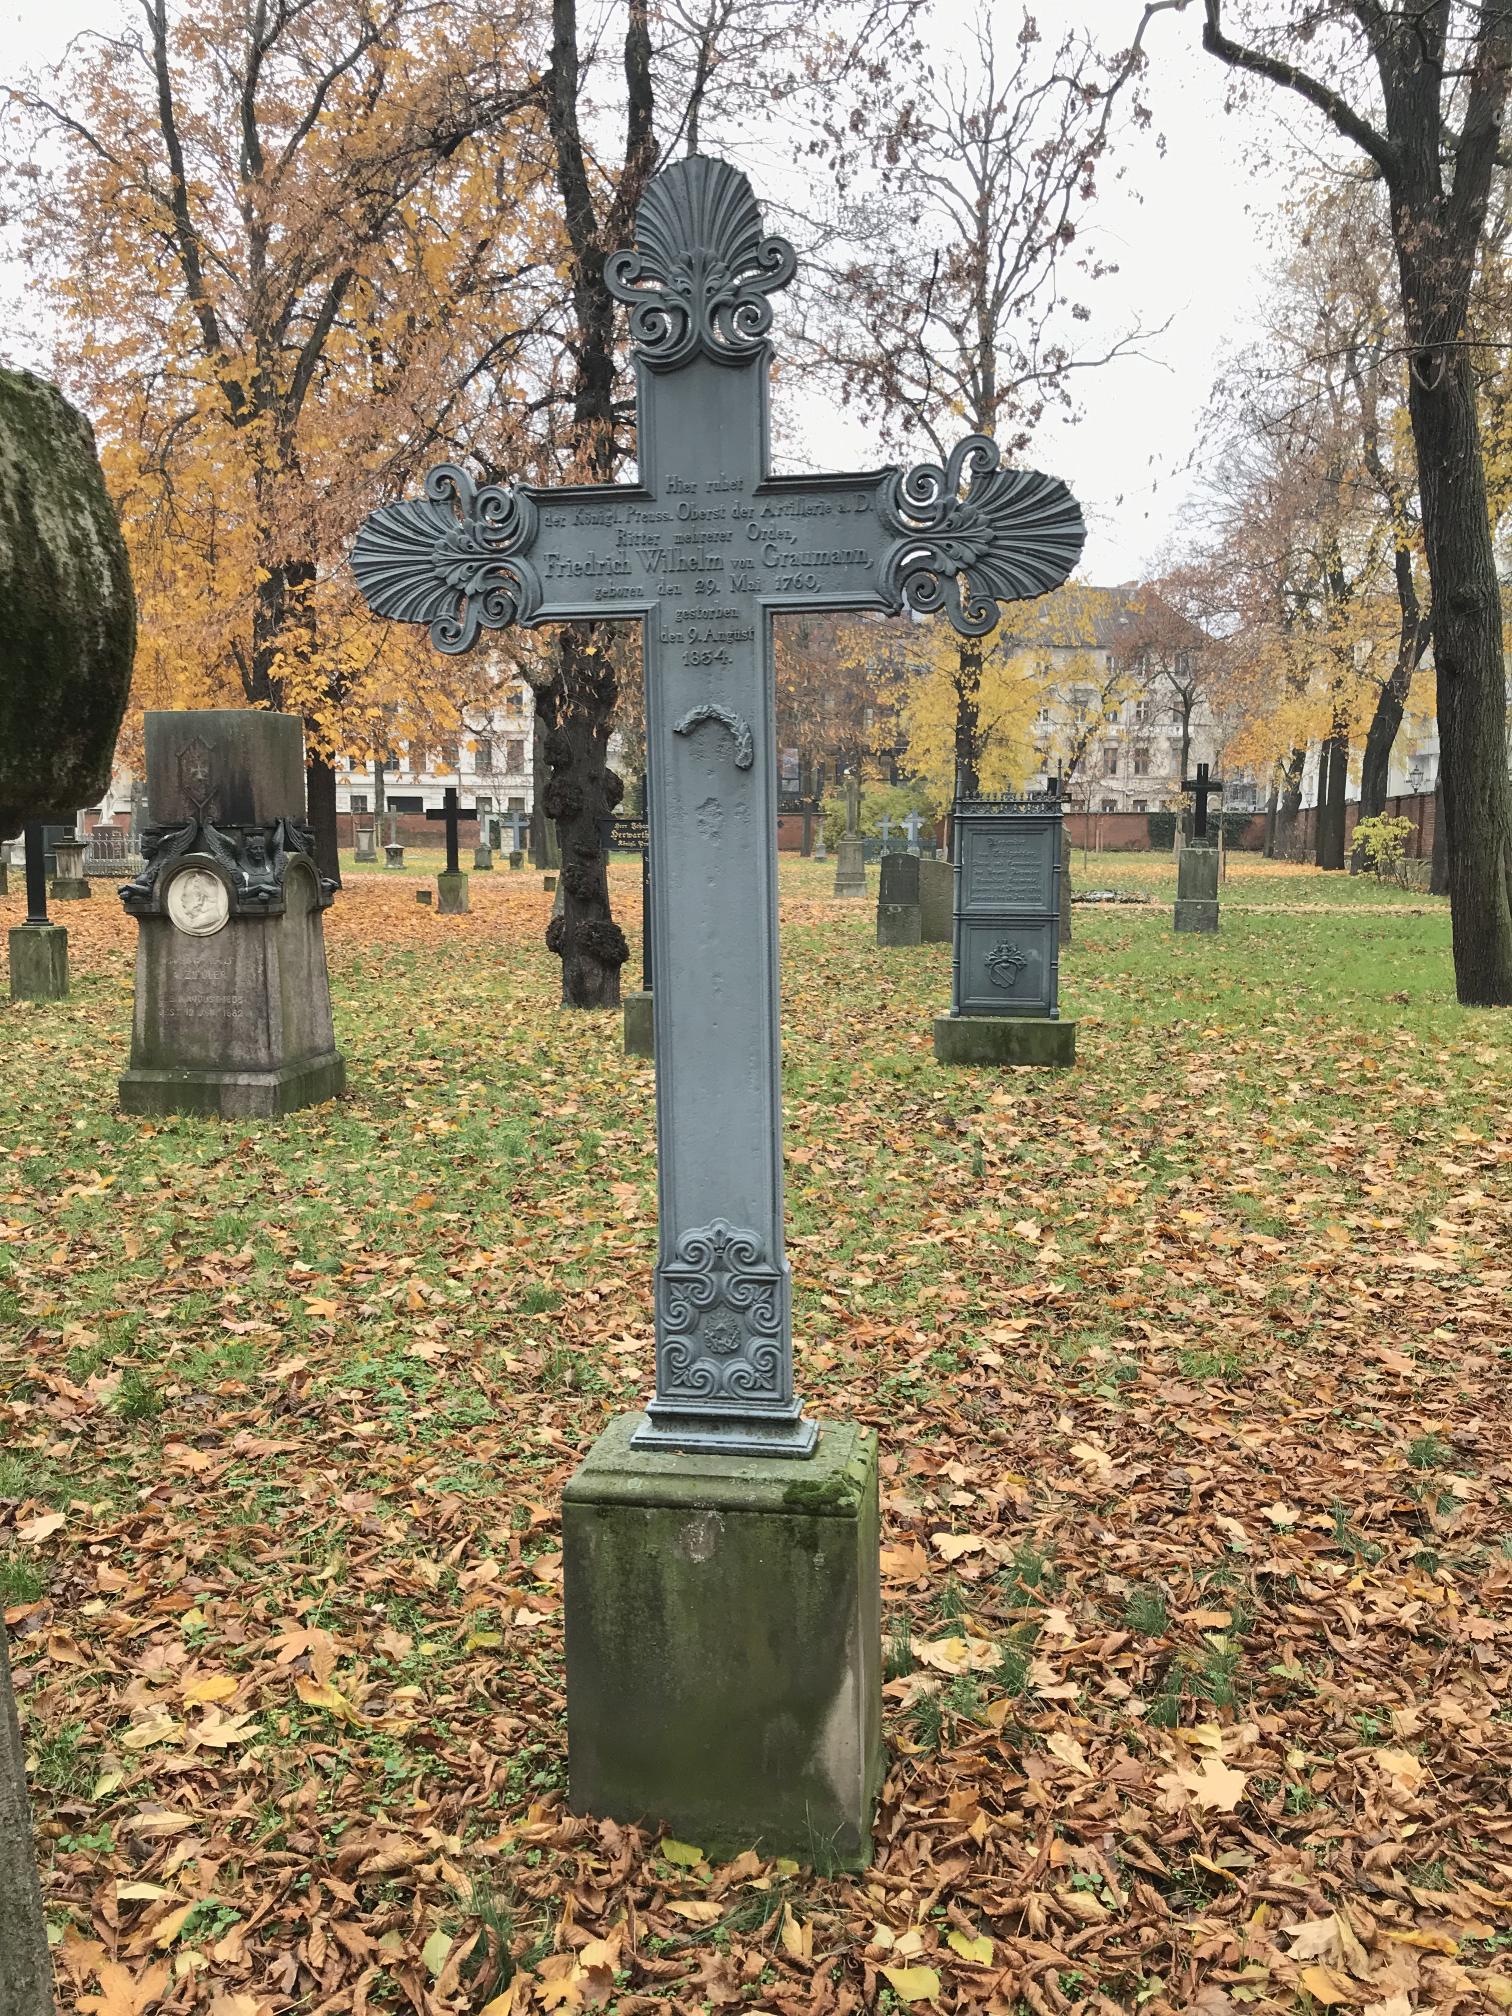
702,267
452,559
1013,535
721,1317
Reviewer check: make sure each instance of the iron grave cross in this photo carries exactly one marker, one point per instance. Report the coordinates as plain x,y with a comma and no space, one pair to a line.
453,814
1201,788
703,550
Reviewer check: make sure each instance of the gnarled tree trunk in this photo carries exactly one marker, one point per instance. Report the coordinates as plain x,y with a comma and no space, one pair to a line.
579,794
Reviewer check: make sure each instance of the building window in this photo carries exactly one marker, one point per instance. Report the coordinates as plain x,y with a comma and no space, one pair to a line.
514,756
514,701
1110,761
1144,713
1081,698
1109,805
1042,719
1141,762
485,761
1141,805
359,801
448,756
485,803
516,805
402,802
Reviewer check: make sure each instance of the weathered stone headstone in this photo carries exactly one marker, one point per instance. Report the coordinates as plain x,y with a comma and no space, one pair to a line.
70,884
850,851
1197,863
483,858
721,1571
898,916
936,901
393,854
367,851
233,1008
1005,999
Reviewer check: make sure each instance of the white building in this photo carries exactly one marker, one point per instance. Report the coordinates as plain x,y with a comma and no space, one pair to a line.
489,761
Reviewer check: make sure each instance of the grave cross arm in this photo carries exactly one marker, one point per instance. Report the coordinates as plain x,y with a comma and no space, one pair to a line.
703,549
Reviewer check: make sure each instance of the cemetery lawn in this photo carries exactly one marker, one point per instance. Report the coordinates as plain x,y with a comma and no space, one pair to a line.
1192,1372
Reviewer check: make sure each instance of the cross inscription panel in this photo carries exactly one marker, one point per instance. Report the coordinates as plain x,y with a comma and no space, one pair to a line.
703,550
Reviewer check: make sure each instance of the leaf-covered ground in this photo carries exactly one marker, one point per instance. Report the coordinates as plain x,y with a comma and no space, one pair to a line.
1191,1369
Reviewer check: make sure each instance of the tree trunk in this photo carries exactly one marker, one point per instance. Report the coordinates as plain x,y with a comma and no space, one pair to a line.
25,1965
1270,821
1333,778
1468,657
968,721
320,792
1438,873
1289,809
581,792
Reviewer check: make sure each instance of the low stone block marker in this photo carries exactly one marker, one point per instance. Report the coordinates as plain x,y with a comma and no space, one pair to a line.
724,1643
640,1040
70,884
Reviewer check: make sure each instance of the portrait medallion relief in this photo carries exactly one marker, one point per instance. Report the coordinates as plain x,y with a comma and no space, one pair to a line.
198,902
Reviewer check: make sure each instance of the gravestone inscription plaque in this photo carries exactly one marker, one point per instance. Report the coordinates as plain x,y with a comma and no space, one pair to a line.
702,550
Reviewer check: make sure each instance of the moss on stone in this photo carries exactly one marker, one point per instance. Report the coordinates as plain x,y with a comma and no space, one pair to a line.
67,613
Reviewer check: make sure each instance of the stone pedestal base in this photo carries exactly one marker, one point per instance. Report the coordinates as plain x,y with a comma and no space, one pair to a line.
366,857
393,855
850,869
482,860
724,1644
69,889
1004,1039
638,1038
1196,916
899,924
235,1095
39,963
517,858
548,883
451,893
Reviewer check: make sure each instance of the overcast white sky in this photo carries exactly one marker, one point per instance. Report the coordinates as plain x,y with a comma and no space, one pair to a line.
1186,226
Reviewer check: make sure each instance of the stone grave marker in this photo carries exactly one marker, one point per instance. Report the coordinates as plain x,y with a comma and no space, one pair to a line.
367,848
1005,991
850,851
911,829
393,854
70,883
1197,863
936,901
38,948
751,1711
898,918
233,1008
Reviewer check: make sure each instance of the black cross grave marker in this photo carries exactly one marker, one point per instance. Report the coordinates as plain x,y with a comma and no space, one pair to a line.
36,871
454,814
702,550
1201,788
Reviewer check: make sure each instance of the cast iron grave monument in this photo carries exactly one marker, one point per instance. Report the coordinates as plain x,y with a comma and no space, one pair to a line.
850,853
233,1008
1197,863
1005,967
720,1549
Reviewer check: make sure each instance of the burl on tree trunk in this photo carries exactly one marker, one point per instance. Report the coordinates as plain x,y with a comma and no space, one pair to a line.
25,1965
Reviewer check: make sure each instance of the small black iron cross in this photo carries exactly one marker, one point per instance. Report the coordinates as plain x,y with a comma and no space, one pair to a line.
1201,788
453,814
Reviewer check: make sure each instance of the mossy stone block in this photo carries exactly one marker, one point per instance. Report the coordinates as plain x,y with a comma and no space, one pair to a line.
39,963
898,924
724,1644
639,1038
451,893
1004,1039
1195,915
